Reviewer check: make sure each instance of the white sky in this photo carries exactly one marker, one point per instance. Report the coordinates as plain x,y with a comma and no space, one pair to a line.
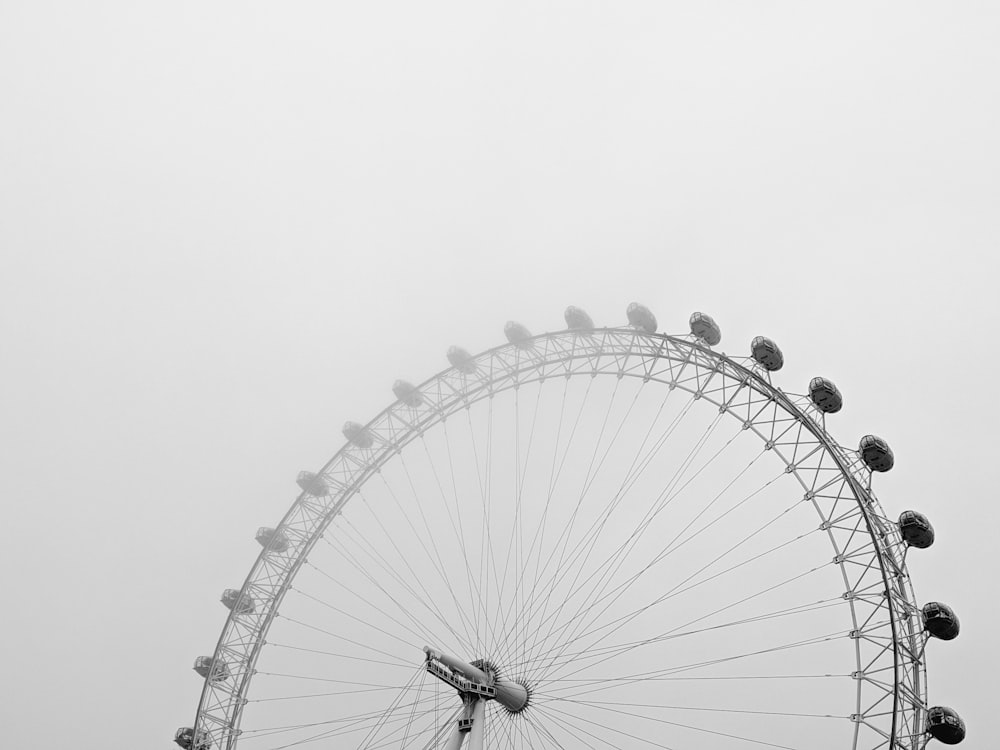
226,228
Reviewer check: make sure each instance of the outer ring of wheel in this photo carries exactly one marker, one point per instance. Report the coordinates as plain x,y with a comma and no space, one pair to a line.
888,629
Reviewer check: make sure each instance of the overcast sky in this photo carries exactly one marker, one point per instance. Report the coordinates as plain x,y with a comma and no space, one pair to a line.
225,228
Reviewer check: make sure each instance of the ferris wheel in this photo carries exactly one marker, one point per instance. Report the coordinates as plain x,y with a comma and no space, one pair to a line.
592,538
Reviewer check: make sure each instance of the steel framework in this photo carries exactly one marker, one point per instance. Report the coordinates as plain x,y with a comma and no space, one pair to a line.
888,631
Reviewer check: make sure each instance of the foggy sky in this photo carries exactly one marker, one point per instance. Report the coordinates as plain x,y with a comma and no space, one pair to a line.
227,228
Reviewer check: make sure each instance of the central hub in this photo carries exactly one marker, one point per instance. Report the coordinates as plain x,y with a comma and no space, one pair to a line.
478,680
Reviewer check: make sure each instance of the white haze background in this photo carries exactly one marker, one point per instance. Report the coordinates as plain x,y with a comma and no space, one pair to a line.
226,228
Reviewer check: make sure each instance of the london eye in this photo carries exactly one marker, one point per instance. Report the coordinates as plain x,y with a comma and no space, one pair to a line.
594,537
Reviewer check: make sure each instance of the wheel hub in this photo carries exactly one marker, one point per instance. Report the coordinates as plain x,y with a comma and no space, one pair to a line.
477,680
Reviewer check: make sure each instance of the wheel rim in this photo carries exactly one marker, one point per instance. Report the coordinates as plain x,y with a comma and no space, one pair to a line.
888,688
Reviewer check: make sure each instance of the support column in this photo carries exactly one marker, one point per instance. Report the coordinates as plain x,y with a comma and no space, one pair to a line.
478,725
465,720
455,741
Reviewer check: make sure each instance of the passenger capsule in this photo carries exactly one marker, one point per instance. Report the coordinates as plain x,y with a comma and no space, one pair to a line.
358,435
706,329
941,621
407,393
517,334
876,453
311,483
640,317
945,725
767,354
185,737
206,665
272,539
916,529
825,395
578,320
461,360
233,602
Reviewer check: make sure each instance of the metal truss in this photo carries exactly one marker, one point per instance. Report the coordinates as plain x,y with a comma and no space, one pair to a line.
887,632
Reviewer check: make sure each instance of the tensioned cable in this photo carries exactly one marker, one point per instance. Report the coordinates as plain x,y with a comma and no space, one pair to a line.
544,731
566,535
591,653
597,526
522,726
539,535
623,548
629,473
406,563
404,610
352,730
671,723
485,539
535,738
390,740
254,734
374,731
665,707
322,695
610,683
368,549
509,647
568,530
662,501
321,679
444,726
413,710
367,601
368,546
400,662
458,508
573,728
554,475
687,678
351,725
583,659
436,562
366,623
458,531
728,606
678,588
669,550
487,553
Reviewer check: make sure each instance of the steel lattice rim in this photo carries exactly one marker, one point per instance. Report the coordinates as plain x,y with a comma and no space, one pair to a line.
891,686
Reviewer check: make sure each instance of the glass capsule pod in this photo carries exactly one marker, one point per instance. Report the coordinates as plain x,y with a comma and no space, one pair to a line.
941,621
517,334
407,393
945,725
825,395
312,484
203,665
915,529
578,320
461,360
232,601
188,740
705,328
876,453
766,353
272,539
357,435
639,316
